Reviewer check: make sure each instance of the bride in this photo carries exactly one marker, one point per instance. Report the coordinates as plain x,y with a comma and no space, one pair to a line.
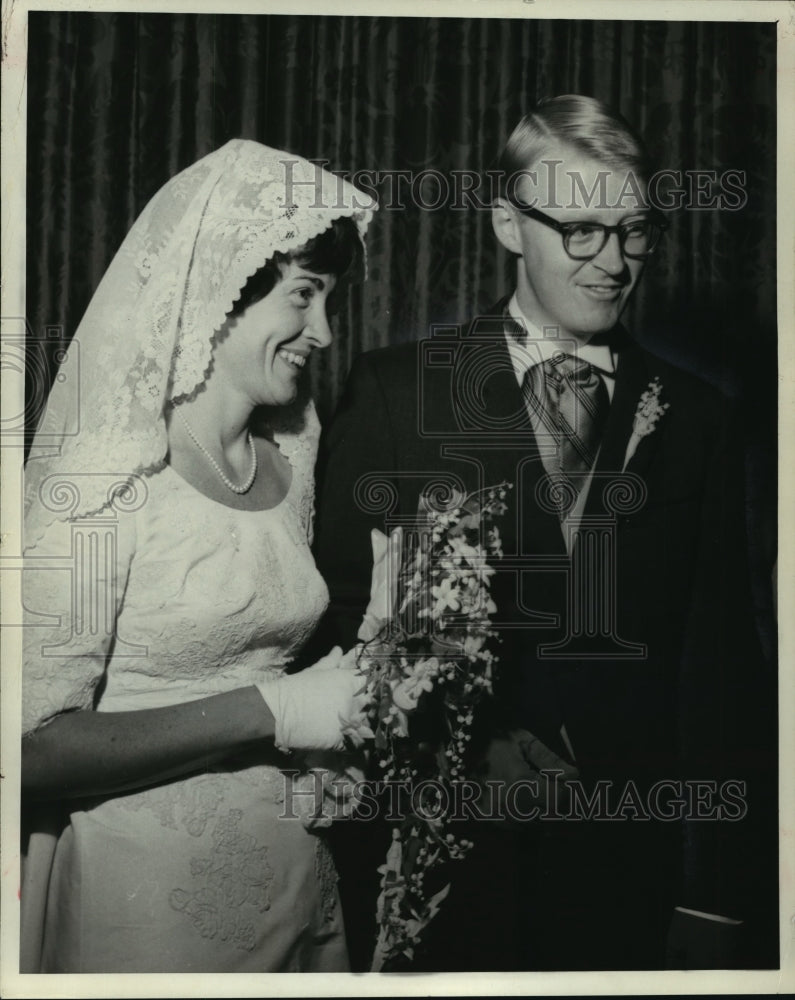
170,583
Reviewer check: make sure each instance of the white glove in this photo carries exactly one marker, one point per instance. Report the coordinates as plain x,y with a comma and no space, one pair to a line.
310,707
387,554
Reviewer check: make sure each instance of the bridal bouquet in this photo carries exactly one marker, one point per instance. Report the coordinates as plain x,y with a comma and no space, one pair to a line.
427,672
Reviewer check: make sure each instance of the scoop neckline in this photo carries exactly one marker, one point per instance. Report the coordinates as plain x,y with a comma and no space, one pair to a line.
226,506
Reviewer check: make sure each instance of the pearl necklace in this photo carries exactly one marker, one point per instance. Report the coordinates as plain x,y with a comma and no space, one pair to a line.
244,487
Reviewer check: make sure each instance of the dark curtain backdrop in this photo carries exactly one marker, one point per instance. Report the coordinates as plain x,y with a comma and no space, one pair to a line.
117,103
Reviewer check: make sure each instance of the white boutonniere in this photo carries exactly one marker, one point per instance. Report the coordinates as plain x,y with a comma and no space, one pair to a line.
649,411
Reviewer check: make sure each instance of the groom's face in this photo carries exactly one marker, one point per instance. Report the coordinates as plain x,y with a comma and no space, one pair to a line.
581,298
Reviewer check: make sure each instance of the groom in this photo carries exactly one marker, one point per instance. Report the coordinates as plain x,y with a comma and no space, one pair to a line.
628,647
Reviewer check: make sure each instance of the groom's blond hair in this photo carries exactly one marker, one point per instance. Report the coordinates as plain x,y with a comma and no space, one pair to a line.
588,125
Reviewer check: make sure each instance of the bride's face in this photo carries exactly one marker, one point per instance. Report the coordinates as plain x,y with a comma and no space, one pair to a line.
261,351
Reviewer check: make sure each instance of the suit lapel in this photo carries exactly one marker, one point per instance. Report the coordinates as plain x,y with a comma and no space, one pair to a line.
632,379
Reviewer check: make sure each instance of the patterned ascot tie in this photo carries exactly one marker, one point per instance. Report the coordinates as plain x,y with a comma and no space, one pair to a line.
568,400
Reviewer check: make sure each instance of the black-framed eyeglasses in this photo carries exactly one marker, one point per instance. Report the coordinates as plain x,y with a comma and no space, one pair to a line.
638,238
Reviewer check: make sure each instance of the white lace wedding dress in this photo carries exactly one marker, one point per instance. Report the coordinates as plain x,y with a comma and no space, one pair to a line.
200,873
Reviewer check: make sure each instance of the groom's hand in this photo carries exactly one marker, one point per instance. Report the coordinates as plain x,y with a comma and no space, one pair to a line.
521,779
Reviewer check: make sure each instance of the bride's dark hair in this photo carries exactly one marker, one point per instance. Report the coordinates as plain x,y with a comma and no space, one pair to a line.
338,250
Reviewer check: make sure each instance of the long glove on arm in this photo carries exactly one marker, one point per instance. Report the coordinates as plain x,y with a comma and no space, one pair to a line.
309,707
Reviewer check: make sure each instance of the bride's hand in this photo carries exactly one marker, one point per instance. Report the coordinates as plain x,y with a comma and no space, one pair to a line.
311,708
387,554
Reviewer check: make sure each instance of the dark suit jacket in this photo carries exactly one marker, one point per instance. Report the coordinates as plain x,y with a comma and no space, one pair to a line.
668,685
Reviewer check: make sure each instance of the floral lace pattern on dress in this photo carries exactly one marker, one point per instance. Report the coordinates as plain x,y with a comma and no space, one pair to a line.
236,879
184,805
